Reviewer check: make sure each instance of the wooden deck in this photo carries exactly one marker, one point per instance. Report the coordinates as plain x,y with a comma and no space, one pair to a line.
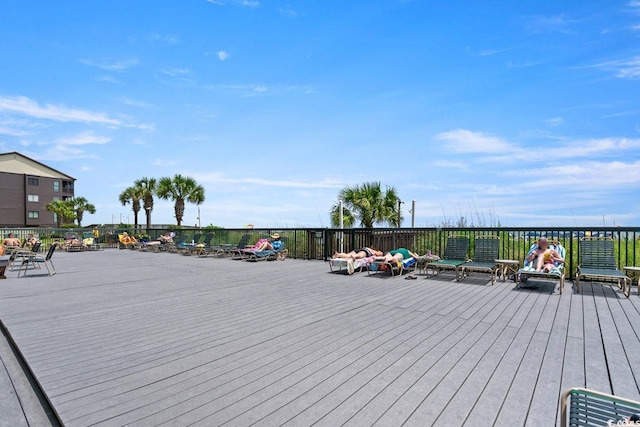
141,339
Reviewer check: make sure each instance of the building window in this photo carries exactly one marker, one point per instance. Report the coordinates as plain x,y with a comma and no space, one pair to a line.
33,181
56,198
34,214
55,217
67,186
56,186
33,198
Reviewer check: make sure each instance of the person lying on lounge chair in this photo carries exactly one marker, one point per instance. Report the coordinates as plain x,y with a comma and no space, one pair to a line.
359,253
166,238
32,240
271,245
547,258
126,239
399,254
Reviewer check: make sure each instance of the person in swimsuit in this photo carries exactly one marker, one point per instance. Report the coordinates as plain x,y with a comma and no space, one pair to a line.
359,253
400,254
547,258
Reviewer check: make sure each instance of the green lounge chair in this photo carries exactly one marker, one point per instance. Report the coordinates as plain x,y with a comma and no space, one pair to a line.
583,407
455,254
486,252
598,262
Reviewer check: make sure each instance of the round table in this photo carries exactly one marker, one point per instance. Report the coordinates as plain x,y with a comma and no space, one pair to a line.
507,265
633,271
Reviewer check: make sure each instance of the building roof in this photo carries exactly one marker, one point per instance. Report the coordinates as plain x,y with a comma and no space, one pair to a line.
15,162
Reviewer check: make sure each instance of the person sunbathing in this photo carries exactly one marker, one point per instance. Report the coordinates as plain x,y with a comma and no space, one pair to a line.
546,258
359,253
399,254
271,245
126,239
166,238
12,240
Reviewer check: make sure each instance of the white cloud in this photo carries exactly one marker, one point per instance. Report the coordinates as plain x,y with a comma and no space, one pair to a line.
251,3
119,66
222,55
178,75
554,122
624,68
251,90
221,179
288,11
167,39
163,163
107,79
83,139
134,102
12,132
588,176
24,105
466,141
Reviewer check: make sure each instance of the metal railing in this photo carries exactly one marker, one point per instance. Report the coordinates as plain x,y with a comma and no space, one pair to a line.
321,243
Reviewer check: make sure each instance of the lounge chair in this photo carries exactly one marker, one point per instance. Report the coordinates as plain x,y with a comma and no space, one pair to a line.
486,252
396,268
349,265
242,253
126,245
35,260
583,407
266,255
598,262
455,254
556,273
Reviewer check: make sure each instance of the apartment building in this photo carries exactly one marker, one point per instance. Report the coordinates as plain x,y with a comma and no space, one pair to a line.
26,187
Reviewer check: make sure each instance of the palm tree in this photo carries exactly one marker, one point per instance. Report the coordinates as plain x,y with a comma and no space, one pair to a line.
148,187
80,205
369,204
180,189
132,195
63,210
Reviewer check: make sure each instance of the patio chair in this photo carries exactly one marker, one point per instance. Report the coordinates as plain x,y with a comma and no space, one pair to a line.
598,262
583,407
486,252
349,265
35,260
557,273
455,254
17,256
396,268
228,249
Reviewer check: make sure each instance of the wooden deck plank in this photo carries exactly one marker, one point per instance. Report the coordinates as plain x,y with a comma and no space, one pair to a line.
543,410
404,393
595,360
179,340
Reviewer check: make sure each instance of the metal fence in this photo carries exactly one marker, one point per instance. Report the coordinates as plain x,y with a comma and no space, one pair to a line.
321,243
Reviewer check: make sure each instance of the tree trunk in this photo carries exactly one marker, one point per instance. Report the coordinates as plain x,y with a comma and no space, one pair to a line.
79,216
148,212
179,210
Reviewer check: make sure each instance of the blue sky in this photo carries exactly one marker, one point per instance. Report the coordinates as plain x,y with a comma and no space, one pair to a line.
522,113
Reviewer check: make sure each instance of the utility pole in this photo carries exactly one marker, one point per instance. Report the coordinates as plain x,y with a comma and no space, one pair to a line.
400,202
341,216
413,214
